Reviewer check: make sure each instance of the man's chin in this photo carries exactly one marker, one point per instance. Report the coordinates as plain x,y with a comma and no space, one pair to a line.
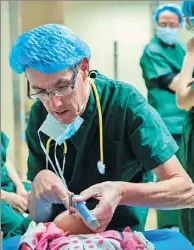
62,118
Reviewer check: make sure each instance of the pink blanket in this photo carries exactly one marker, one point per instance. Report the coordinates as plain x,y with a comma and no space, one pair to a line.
47,236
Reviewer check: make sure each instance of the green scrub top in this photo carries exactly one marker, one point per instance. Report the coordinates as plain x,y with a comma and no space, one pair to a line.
160,59
4,145
187,144
10,218
187,159
135,142
6,183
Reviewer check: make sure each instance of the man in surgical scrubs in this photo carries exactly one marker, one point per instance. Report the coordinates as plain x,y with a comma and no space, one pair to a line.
185,100
161,63
99,135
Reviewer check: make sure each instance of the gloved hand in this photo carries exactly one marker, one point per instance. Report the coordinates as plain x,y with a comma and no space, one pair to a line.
109,196
49,188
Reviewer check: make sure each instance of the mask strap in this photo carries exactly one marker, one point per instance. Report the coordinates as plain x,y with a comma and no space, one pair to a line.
47,162
61,171
58,167
64,158
48,159
57,162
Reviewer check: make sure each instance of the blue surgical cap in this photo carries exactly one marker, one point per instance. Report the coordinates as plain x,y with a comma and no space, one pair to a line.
188,8
169,7
48,48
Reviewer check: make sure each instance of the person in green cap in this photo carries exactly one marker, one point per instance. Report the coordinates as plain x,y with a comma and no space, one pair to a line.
14,194
185,100
161,63
93,135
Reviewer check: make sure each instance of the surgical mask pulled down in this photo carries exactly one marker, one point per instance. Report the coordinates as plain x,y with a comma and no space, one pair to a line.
167,35
59,133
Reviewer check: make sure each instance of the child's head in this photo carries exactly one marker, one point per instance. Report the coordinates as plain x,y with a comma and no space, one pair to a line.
71,223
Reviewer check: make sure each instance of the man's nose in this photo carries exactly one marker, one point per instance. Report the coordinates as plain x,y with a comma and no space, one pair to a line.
55,102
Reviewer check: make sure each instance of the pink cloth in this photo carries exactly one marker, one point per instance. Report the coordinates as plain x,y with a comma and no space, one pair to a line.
49,236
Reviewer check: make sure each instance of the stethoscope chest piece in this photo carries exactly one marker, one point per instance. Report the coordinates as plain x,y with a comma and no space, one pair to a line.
101,167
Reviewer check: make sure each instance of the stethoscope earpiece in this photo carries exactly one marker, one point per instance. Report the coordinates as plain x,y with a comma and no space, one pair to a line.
93,74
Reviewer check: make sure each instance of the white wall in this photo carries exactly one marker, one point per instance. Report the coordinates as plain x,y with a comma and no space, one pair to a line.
7,109
100,23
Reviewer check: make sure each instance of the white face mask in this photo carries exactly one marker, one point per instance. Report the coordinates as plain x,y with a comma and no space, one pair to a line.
59,133
167,35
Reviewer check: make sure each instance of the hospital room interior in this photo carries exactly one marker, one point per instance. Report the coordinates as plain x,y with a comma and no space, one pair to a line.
117,33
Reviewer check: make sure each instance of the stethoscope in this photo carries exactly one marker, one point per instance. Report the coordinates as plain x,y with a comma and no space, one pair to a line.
100,163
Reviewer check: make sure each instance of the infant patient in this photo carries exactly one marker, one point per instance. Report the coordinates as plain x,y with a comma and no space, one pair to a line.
68,231
71,223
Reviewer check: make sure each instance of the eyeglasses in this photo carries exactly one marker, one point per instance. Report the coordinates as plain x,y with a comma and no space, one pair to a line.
168,25
62,91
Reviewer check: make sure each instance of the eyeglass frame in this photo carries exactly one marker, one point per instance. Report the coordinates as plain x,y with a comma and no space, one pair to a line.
166,25
73,80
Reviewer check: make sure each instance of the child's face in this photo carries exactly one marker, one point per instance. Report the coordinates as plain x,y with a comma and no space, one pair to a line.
71,223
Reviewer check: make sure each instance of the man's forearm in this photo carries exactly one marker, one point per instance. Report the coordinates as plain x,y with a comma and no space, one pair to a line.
39,211
13,175
169,194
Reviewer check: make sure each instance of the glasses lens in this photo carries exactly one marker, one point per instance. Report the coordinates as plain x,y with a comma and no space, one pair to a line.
35,94
67,90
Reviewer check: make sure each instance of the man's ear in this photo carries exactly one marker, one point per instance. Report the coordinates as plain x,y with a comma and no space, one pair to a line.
84,67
